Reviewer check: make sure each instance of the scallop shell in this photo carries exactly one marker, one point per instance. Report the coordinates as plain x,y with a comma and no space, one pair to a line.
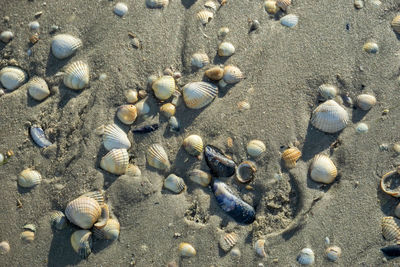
76,75
81,242
39,137
323,170
327,91
329,117
333,253
193,145
120,9
6,36
27,236
371,47
215,73
245,171
157,3
200,60
228,240
199,94
255,148
259,248
226,49
271,7
283,4
290,156
115,138
164,87
365,101
186,250
232,74
64,45
29,178
200,177
396,24
131,96
390,228
12,77
133,170
38,89
168,110
306,256
157,157
290,20
109,232
205,16
58,220
116,161
127,114
4,247
83,212
174,183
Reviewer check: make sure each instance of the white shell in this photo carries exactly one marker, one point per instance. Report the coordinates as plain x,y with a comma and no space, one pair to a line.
116,161
329,117
211,4
200,177
76,75
38,89
306,256
34,25
290,20
193,144
232,74
333,253
226,49
362,127
131,96
323,170
157,157
64,45
142,108
255,148
29,178
365,101
205,16
228,240
186,250
115,138
120,9
199,94
12,77
327,91
199,60
174,183
4,247
164,87
157,3
259,248
6,36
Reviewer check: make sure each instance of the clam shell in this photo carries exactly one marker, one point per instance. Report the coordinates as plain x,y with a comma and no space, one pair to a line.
6,36
199,94
131,96
306,256
168,110
81,242
76,75
127,114
12,77
396,24
255,148
29,178
226,49
259,248
64,45
290,156
38,89
193,145
27,236
39,137
245,171
390,228
271,7
164,87
115,138
186,250
104,216
133,170
322,169
174,183
211,4
215,73
371,47
120,9
232,74
109,232
283,4
58,220
157,157
365,101
333,253
200,177
97,195
4,247
227,241
199,60
116,161
290,20
205,16
329,117
327,91
157,3
83,212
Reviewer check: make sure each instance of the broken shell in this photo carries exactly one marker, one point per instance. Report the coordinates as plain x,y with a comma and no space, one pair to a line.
64,45
215,73
120,9
290,156
193,145
142,108
290,20
222,32
27,236
212,5
104,216
116,161
323,170
131,96
81,242
306,256
333,253
157,3
127,114
174,183
31,227
168,110
29,178
157,157
283,4
255,148
200,177
199,94
76,75
392,188
133,170
327,91
173,124
390,228
243,105
396,24
232,74
6,36
164,87
200,60
58,220
226,49
371,47
271,7
38,89
259,247
109,232
115,138
39,137
220,165
245,171
4,247
205,16
228,240
12,77
176,98
365,101
186,250
83,212
329,117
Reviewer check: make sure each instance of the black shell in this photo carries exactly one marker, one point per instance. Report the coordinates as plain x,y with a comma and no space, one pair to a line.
219,164
391,251
39,137
146,129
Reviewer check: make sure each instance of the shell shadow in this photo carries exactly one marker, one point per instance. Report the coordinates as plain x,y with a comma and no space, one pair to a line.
99,244
358,114
67,94
32,102
61,252
54,65
217,60
188,3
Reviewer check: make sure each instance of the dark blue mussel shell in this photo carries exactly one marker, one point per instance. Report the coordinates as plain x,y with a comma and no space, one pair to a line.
219,164
391,251
39,137
146,129
239,210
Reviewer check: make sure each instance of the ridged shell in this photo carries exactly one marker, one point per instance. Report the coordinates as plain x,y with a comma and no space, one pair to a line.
131,96
76,75
157,157
97,195
215,73
30,226
38,136
115,138
329,117
193,145
12,77
186,250
371,47
283,4
133,170
232,74
199,60
58,220
396,24
168,110
271,7
127,114
211,4
104,216
259,248
365,101
228,240
64,45
205,16
290,156
226,49
245,171
306,256
157,3
174,183
29,178
199,94
81,242
27,236
290,20
83,212
255,148
322,169
390,228
327,91
4,247
38,89
333,253
164,87
200,177
6,36
116,161
109,232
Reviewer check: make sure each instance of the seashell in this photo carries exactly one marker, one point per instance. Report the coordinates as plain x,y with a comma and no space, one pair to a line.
81,242
212,5
120,9
245,171
83,212
233,205
255,148
205,16
228,240
157,3
174,183
116,161
226,49
38,89
164,87
33,25
186,250
29,178
76,75
271,7
193,145
215,73
329,117
65,45
115,138
200,177
396,24
254,25
108,232
146,129
12,77
235,252
391,251
327,91
306,256
333,253
232,74
157,157
39,137
223,32
97,195
4,247
371,47
176,98
219,164
34,38
131,96
127,114
168,110
58,220
27,236
199,94
199,60
389,183
397,211
290,20
390,228
6,36
365,101
142,108
358,4
133,170
323,170
30,227
362,128
283,4
259,247
290,157
104,216
243,105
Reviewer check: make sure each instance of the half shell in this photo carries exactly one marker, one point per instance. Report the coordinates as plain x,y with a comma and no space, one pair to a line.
200,60
290,20
226,49
396,24
205,16
156,3
193,145
109,232
228,240
12,77
64,45
164,87
83,212
186,250
283,4
76,75
329,117
259,248
174,183
290,157
38,89
306,256
245,171
116,161
200,177
232,74
29,178
390,228
390,183
365,101
157,157
322,169
199,94
168,110
127,114
81,242
255,148
115,138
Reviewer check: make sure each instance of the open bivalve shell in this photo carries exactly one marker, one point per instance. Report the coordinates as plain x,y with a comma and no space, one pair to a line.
115,138
127,114
193,145
157,3
164,87
116,161
83,212
306,256
38,89
174,183
200,177
76,75
322,169
228,240
186,250
157,157
64,45
245,171
290,157
81,242
29,178
109,232
391,228
390,183
12,77
232,74
199,94
330,117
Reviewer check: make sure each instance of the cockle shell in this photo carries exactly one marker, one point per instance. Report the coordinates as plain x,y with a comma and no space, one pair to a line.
4,247
29,178
290,20
259,248
186,250
390,228
81,242
131,96
97,195
157,3
109,232
64,45
232,74
30,226
215,73
120,9
27,236
306,256
228,240
83,212
205,16
168,110
157,157
245,171
58,220
127,114
133,170
327,91
199,94
271,7
76,75
164,87
255,148
226,49
38,89
283,4
371,47
116,161
193,144
329,117
6,36
12,77
115,138
174,183
290,156
322,169
365,101
333,253
211,4
199,60
200,177
243,105
396,24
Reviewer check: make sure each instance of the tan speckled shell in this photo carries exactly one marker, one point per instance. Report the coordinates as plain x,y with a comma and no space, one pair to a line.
365,101
116,161
12,77
228,240
83,212
255,148
193,145
329,117
200,177
168,110
29,178
38,89
215,73
290,156
199,94
186,250
259,248
322,169
283,4
232,74
81,242
115,138
396,24
109,232
174,183
164,87
76,75
390,228
205,16
127,114
157,157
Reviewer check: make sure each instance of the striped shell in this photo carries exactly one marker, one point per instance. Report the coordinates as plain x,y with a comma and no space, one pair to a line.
199,60
396,24
186,250
228,240
133,170
306,257
6,36
38,89
164,87
168,110
76,75
389,183
371,47
120,9
131,96
259,248
322,169
245,171
271,7
116,161
174,183
200,177
127,114
115,138
157,157
365,101
290,157
333,253
12,77
329,117
215,73
255,148
226,49
81,242
205,16
283,4
193,145
390,228
29,178
327,91
27,236
108,232
211,4
232,74
58,220
97,195
199,94
290,20
83,212
157,3
64,45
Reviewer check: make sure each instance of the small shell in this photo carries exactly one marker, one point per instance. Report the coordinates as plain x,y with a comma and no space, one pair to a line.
371,47
255,148
259,247
30,227
157,157
212,5
64,45
243,105
83,212
58,220
109,232
142,108
205,16
164,87
245,171
226,49
290,156
168,110
115,138
38,89
329,117
174,183
215,73
200,177
116,161
390,228
4,247
33,25
306,256
27,236
29,178
133,170
6,36
271,7
186,250
39,137
76,75
290,20
199,60
358,4
333,253
81,242
120,9
283,4
389,183
97,195
228,240
365,101
232,74
157,3
396,24
322,169
127,114
327,91
173,124
131,96
199,94
223,32
362,127
12,77
193,144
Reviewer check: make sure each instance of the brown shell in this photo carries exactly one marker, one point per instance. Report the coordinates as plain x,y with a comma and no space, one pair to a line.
215,73
127,114
83,212
283,4
290,156
168,110
390,228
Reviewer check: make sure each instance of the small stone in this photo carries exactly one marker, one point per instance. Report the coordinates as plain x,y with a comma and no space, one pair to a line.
102,77
384,147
